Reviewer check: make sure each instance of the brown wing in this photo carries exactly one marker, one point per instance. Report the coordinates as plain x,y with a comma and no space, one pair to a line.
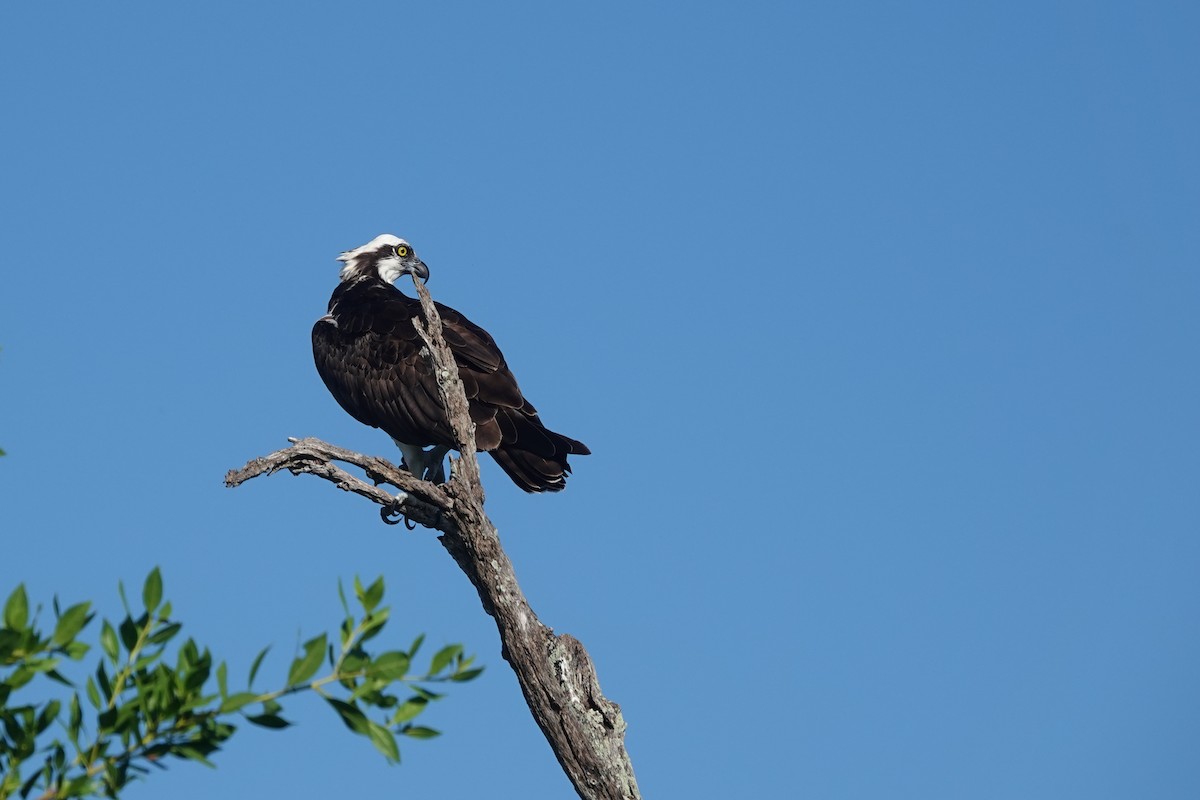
368,354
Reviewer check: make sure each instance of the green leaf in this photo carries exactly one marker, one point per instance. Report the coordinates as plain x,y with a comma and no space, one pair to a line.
351,715
165,633
129,633
236,701
466,675
108,641
420,732
152,591
416,645
82,786
268,721
342,596
384,742
70,623
222,685
20,676
42,664
443,657
193,754
77,650
16,610
106,689
372,596
10,640
366,692
188,655
373,624
13,728
411,708
48,714
127,718
27,788
355,662
390,666
199,672
144,661
428,695
75,720
57,677
306,666
257,663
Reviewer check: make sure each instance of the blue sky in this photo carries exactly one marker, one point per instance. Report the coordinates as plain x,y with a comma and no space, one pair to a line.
880,321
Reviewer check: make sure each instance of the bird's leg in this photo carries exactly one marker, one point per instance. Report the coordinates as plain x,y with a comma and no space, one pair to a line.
435,466
425,464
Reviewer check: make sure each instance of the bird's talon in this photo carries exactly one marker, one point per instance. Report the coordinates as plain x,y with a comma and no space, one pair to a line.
393,512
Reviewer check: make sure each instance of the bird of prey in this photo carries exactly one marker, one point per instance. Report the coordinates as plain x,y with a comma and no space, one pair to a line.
369,355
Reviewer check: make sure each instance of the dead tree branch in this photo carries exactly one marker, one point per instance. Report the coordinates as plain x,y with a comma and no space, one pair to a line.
585,730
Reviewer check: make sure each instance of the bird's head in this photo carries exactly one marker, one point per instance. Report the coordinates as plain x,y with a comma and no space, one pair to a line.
386,256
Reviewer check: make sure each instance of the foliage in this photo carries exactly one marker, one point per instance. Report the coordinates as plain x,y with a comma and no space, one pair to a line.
139,708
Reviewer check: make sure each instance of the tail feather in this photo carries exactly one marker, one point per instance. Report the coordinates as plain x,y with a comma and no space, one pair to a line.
534,456
532,472
527,432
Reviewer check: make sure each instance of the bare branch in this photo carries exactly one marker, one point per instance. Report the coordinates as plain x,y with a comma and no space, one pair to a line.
424,502
454,398
556,675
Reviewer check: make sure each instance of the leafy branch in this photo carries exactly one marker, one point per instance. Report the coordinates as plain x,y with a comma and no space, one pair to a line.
145,710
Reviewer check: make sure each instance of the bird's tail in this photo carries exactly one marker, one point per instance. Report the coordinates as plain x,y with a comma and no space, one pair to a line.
537,473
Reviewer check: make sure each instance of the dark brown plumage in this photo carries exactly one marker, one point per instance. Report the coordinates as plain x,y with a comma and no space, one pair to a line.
368,354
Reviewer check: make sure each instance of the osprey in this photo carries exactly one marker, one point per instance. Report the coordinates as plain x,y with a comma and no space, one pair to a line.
369,355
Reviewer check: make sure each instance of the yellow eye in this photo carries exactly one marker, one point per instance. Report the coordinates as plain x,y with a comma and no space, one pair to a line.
401,251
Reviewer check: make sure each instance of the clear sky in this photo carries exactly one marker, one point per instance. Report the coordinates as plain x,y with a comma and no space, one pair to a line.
881,322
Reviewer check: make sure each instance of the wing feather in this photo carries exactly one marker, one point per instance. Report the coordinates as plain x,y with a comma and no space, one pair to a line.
368,353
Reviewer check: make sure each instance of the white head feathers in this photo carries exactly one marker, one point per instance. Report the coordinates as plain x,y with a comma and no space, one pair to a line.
389,266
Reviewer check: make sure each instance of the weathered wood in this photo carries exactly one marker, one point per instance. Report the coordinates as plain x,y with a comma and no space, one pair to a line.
423,502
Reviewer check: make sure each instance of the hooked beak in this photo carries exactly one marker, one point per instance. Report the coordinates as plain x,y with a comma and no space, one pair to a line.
419,270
